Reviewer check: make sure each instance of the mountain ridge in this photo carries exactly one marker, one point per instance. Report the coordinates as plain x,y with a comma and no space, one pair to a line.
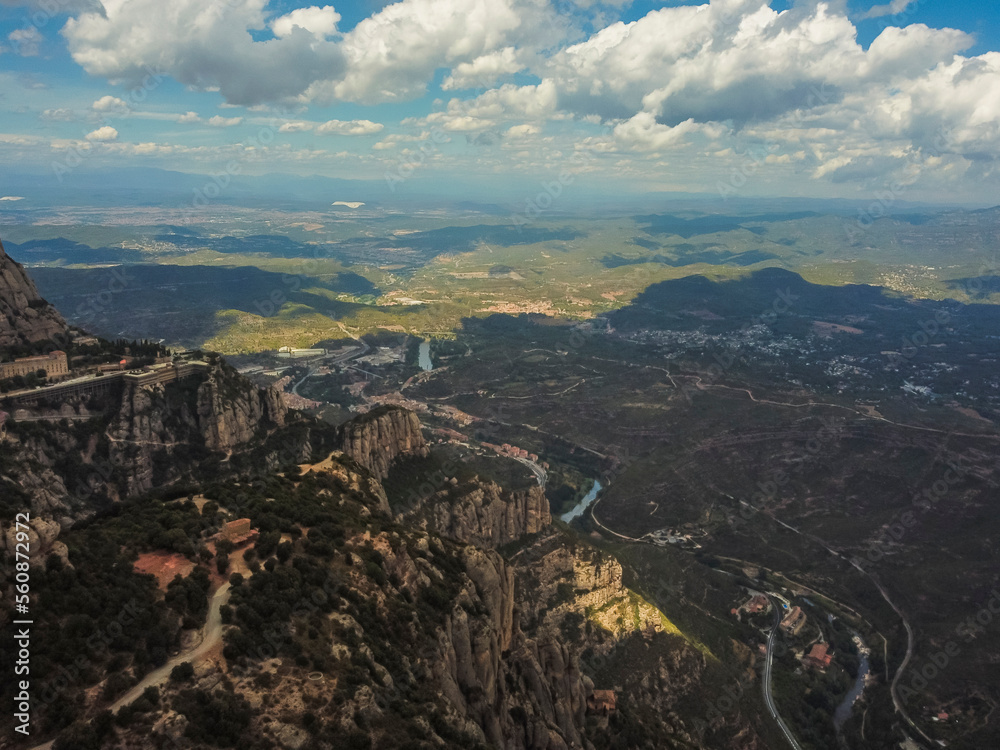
26,319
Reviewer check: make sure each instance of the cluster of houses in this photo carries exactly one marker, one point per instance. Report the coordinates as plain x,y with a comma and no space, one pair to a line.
513,451
819,656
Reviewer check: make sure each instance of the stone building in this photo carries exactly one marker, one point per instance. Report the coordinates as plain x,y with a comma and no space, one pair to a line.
794,621
601,702
54,364
237,531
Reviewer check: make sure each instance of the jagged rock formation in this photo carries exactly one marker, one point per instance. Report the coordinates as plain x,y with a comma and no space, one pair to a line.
231,411
484,513
377,438
25,318
147,436
42,536
225,412
399,633
503,687
490,671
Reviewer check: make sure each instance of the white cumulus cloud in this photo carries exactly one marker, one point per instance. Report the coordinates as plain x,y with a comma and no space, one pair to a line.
206,45
321,22
110,105
889,9
484,71
218,121
25,42
349,127
104,134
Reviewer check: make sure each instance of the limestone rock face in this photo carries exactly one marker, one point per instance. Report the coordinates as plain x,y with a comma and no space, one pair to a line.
225,414
42,542
376,439
484,513
25,318
485,666
229,415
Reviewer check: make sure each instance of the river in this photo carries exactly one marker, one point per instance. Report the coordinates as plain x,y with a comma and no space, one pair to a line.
843,712
424,356
583,504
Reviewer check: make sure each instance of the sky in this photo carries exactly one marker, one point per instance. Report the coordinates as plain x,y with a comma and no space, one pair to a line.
839,98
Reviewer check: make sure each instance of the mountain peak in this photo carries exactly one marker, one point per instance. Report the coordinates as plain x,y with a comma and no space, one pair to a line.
25,318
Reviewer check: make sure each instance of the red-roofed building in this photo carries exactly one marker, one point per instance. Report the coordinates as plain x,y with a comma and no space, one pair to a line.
819,656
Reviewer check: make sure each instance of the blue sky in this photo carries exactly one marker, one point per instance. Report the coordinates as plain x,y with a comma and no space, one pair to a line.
843,98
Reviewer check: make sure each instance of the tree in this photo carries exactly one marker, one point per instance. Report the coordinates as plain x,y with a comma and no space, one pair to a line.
182,672
284,551
224,547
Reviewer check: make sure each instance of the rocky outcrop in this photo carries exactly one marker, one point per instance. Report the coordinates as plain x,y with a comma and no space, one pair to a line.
522,693
484,513
42,541
502,687
377,438
143,437
232,412
225,412
25,318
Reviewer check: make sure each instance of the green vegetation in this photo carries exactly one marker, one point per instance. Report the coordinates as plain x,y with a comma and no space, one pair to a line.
575,267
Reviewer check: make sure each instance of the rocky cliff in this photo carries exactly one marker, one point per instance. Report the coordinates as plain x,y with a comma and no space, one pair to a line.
377,438
495,684
213,413
484,513
137,438
25,318
232,412
573,594
364,631
520,692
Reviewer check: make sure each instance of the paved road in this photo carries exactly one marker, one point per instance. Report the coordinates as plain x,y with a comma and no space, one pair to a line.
910,639
331,361
768,697
910,642
537,470
295,388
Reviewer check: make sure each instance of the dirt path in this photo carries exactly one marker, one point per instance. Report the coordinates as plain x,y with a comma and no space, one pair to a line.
212,635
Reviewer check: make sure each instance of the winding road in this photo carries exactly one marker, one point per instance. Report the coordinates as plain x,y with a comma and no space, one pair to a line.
704,386
768,697
211,637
